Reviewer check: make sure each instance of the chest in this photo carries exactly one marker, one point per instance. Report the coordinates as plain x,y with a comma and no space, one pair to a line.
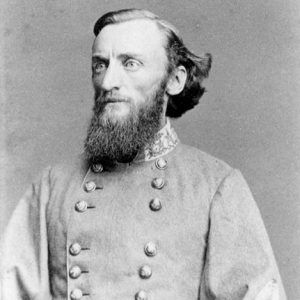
125,220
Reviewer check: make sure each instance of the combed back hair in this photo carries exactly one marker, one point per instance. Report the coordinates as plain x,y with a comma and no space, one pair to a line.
197,67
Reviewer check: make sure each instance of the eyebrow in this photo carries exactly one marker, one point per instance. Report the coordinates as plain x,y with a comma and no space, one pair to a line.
98,57
122,56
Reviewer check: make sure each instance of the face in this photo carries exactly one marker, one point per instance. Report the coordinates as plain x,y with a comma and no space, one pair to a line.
129,64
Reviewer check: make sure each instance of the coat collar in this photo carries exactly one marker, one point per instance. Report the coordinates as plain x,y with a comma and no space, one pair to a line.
164,142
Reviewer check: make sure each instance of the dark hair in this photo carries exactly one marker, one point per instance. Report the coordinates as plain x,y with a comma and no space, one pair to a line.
197,67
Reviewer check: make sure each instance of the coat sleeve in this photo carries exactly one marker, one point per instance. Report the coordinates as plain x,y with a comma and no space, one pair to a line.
239,262
24,249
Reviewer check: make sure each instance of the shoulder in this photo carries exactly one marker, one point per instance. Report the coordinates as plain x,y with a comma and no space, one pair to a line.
74,167
192,153
201,163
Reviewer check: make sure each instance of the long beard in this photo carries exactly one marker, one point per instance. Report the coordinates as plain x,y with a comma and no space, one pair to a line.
120,141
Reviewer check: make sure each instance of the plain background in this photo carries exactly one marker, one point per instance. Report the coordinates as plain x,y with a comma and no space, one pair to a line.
250,116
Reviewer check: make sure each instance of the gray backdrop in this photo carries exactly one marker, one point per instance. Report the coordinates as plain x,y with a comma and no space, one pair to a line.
249,116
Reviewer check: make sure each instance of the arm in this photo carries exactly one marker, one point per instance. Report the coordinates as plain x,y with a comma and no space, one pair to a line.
239,260
24,248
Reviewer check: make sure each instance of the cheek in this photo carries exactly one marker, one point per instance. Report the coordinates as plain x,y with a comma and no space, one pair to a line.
141,96
146,88
96,80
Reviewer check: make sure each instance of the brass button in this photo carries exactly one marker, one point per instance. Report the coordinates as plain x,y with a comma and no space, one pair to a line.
81,206
75,249
150,249
161,163
145,272
155,204
76,294
75,272
141,295
97,168
90,186
158,183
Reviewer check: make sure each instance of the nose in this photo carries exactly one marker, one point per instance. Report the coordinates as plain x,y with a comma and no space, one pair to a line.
112,79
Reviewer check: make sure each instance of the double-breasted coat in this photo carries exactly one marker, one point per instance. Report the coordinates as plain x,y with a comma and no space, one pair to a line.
175,224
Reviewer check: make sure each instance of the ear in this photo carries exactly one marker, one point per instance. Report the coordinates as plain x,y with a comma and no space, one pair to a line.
177,81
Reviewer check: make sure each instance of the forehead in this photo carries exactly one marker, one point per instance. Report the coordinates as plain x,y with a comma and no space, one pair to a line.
138,36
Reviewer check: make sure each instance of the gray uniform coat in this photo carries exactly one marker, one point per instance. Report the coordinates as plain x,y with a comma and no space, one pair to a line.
175,224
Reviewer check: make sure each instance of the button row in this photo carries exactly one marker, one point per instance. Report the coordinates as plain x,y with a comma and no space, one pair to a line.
90,186
145,271
150,248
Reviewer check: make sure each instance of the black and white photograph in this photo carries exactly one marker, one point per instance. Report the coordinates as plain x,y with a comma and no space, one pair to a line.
150,150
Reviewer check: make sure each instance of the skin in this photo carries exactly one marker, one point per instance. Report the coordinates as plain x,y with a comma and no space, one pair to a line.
129,62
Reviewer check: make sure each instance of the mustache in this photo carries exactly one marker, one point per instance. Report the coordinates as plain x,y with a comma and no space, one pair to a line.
114,100
108,98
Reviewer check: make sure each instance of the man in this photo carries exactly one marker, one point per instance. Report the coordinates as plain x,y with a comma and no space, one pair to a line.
139,215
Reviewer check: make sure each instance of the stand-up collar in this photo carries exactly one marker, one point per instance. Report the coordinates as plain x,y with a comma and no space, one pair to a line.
164,142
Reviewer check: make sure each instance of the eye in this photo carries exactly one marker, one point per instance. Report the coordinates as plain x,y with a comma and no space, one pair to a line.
132,64
99,67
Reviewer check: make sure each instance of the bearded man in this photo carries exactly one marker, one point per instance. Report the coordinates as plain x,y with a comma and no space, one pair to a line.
139,215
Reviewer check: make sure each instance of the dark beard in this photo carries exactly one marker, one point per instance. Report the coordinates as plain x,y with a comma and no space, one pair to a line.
111,141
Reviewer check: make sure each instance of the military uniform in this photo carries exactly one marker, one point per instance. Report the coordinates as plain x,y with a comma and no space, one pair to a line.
174,224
